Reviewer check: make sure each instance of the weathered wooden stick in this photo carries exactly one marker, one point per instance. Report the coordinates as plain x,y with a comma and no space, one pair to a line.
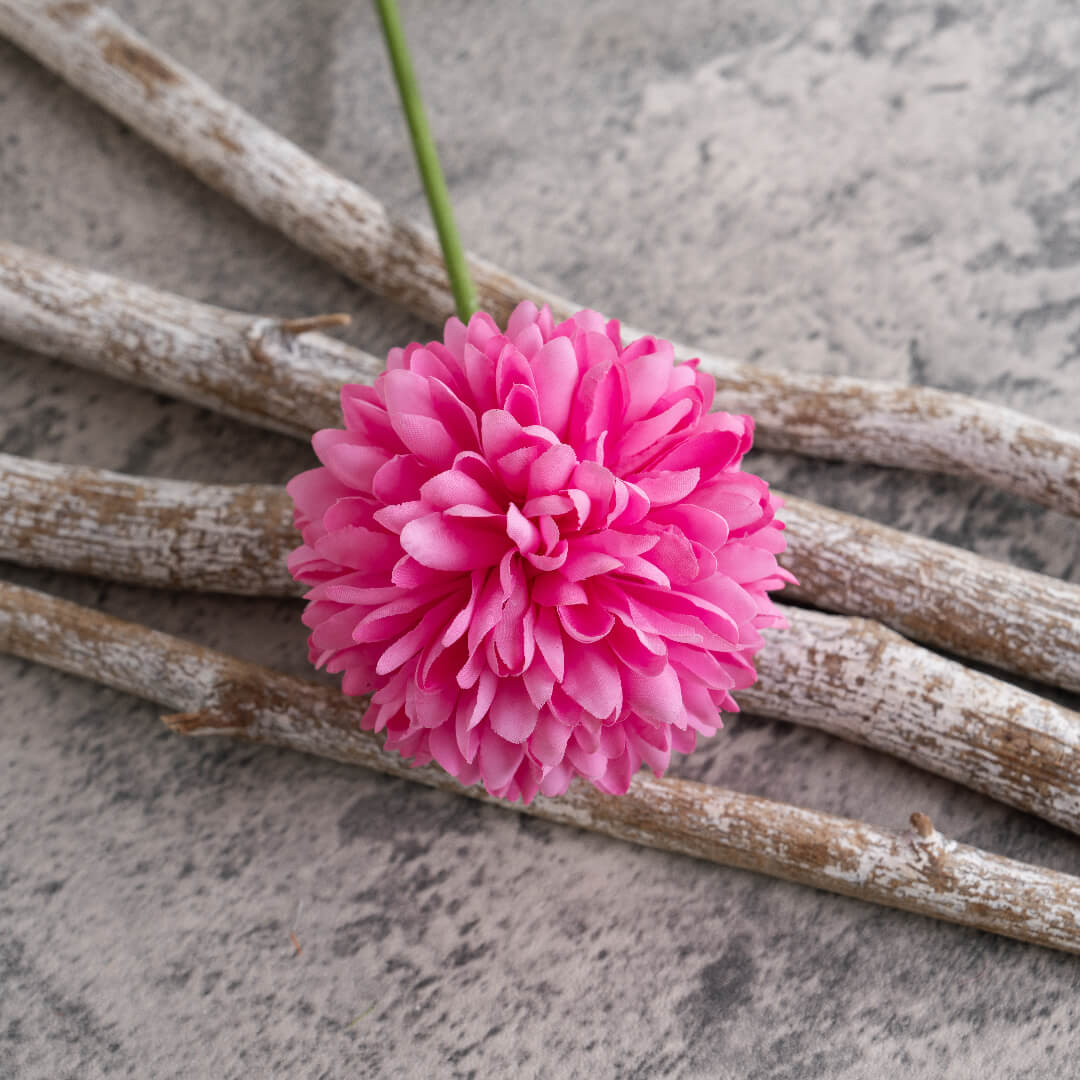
234,539
919,871
857,679
271,372
953,599
848,676
201,537
846,418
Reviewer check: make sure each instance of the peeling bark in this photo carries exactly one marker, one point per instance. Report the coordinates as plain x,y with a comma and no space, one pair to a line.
944,596
860,681
276,373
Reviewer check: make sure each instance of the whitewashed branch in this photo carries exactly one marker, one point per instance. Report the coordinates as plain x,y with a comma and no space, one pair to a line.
856,679
847,676
851,419
258,369
953,599
272,372
201,537
919,871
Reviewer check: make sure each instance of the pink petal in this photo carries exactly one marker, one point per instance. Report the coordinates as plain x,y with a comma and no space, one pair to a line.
549,641
427,630
400,479
358,510
551,562
455,416
454,487
444,749
511,369
522,317
313,491
467,738
359,548
446,543
521,530
552,589
414,418
556,780
585,622
555,371
669,487
645,433
617,775
648,363
551,471
499,759
394,518
592,680
513,715
657,699
652,745
711,451
539,681
549,739
585,564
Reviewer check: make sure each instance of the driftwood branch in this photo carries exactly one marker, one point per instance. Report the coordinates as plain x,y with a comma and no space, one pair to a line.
848,676
271,372
856,679
919,871
280,184
251,366
953,599
276,373
201,537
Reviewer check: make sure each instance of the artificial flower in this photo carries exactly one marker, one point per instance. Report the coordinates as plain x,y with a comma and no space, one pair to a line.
537,552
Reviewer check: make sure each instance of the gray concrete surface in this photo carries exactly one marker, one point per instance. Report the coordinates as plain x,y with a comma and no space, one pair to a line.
891,190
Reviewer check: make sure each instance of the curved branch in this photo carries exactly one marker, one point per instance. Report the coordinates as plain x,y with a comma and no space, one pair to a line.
852,419
919,871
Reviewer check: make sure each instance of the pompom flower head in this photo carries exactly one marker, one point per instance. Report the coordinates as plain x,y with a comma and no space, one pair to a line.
537,551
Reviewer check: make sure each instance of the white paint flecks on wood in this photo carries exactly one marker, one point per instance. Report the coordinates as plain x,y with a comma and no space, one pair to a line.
953,599
169,533
856,679
851,419
919,871
271,372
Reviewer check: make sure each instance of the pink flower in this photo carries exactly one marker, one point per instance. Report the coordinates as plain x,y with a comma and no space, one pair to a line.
538,552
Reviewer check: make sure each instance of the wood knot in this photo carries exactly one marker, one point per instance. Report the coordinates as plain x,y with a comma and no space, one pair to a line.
928,842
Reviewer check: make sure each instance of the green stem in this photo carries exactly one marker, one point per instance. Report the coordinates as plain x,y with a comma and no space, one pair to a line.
427,158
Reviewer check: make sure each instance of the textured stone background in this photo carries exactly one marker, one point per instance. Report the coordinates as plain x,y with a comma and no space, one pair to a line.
889,190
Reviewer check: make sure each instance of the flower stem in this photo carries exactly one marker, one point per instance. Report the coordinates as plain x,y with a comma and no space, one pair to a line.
427,158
